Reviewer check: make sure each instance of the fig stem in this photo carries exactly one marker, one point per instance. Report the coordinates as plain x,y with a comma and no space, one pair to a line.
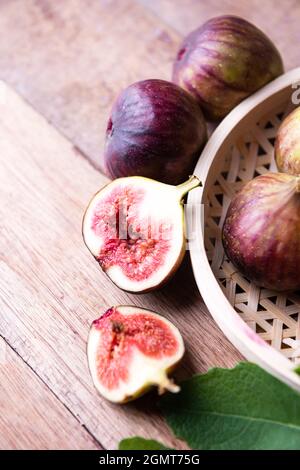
298,184
164,383
191,183
170,386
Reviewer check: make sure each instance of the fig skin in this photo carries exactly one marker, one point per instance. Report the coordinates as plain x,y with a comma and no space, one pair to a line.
223,62
287,144
156,130
164,198
261,232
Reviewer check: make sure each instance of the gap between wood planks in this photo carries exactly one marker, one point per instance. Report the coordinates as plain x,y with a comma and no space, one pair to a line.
14,351
79,152
94,440
179,302
70,67
51,289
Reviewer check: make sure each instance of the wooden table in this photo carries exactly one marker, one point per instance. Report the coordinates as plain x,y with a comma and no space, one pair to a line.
62,64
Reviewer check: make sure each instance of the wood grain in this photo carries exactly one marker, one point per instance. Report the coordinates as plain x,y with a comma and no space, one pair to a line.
70,59
31,417
279,20
51,289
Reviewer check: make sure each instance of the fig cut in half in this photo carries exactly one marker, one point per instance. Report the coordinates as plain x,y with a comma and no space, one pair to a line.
131,349
135,229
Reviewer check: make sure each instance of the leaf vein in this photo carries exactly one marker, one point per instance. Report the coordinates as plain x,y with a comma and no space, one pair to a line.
242,417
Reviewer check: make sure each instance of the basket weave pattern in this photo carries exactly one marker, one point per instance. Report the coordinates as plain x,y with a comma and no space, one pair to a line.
275,317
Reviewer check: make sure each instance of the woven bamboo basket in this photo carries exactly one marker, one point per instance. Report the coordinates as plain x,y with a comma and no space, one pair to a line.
264,325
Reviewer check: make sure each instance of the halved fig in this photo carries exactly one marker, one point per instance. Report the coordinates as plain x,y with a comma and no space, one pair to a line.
131,349
134,227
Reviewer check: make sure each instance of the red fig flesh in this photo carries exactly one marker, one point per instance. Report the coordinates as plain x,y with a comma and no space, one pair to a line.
223,62
157,130
131,349
134,227
287,145
261,232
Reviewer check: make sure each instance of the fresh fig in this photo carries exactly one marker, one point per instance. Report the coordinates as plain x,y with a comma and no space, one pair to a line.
287,144
134,227
261,232
157,130
223,62
130,349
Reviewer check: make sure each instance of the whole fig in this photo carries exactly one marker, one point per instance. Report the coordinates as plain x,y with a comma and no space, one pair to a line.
157,130
287,144
261,232
223,62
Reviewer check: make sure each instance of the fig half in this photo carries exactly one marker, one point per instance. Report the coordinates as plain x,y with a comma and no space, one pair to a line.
134,227
131,349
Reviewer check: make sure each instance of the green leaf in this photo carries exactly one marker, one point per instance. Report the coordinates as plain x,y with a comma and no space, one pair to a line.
241,408
139,443
297,370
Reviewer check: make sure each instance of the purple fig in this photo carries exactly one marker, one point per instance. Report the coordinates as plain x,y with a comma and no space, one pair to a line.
156,130
261,232
287,145
223,62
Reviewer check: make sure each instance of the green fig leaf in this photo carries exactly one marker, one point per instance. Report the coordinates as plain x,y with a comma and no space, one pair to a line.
240,408
139,443
297,370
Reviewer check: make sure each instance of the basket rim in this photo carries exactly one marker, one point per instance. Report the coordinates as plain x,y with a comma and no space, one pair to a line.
237,331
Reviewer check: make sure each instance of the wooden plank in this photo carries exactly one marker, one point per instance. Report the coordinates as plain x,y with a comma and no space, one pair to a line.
71,65
279,20
51,289
31,417
70,59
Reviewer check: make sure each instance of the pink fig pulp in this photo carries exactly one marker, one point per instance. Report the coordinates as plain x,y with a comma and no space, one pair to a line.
135,229
131,349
